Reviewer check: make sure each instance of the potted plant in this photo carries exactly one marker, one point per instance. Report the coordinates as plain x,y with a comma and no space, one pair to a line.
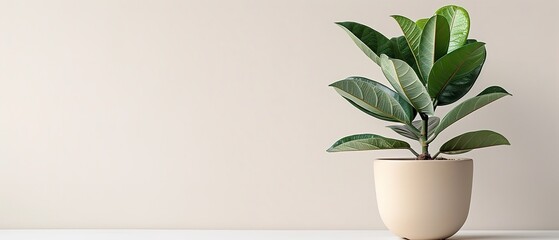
432,65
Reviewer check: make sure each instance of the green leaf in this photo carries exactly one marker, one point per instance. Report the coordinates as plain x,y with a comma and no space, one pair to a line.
470,41
461,84
421,22
408,132
401,50
434,43
473,140
362,142
487,96
381,117
375,98
459,22
371,42
405,131
454,74
412,33
402,77
494,89
458,152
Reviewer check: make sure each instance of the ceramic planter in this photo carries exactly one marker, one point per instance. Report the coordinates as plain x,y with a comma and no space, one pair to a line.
423,199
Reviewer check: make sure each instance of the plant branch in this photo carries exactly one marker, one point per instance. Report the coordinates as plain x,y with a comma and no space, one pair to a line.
423,138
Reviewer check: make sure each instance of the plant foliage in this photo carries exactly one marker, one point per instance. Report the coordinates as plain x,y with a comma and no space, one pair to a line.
433,64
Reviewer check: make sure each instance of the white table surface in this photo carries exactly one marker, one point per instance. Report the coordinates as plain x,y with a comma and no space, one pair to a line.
255,235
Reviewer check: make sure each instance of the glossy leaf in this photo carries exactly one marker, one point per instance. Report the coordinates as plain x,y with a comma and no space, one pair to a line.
421,22
434,43
408,132
375,98
381,117
487,96
404,80
363,142
395,95
412,33
461,85
371,42
405,131
373,114
453,75
470,41
459,22
473,140
401,50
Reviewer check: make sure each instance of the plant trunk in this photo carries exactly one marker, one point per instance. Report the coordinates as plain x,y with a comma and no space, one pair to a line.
423,139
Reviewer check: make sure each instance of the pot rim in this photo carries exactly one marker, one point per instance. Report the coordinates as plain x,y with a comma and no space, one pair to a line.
423,161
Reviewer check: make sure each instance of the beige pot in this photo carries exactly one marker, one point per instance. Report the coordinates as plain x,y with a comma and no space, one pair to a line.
423,199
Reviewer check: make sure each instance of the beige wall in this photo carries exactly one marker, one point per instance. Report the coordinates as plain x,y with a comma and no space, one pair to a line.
217,114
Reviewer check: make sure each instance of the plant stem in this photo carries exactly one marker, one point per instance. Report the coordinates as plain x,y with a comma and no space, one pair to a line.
423,138
436,155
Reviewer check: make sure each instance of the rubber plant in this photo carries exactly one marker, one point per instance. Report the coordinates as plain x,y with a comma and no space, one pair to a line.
433,64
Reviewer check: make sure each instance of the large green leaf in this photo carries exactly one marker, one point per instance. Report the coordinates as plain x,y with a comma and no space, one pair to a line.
401,50
371,42
412,33
376,115
407,131
473,140
459,87
362,142
453,75
404,80
375,98
459,22
461,84
396,96
487,96
434,43
421,22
